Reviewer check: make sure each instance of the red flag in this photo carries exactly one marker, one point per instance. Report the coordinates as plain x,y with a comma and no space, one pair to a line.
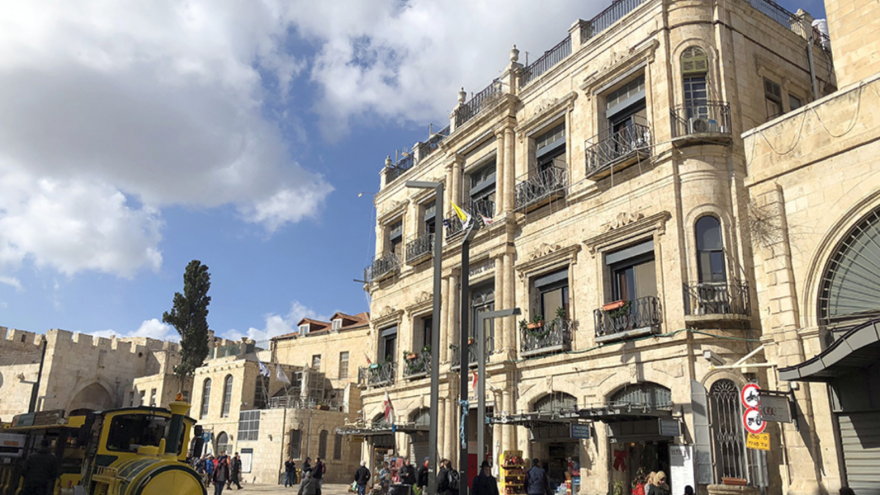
368,358
474,384
389,409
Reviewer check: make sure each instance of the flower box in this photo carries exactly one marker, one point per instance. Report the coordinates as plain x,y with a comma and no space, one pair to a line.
412,356
613,305
534,325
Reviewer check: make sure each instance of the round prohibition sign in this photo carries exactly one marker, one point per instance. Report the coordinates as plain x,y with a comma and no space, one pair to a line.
750,395
753,421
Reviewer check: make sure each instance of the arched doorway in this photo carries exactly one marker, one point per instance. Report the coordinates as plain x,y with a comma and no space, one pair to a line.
94,397
552,442
418,437
222,443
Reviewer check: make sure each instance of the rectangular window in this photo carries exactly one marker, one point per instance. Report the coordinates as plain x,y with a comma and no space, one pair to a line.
153,397
552,293
626,108
304,329
343,365
550,148
482,191
696,97
337,324
294,449
427,328
772,98
337,447
482,301
388,344
249,425
316,362
261,392
430,213
395,238
142,398
131,398
632,271
794,102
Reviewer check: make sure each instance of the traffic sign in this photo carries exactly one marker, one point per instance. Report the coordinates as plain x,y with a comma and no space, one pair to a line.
753,421
750,395
758,442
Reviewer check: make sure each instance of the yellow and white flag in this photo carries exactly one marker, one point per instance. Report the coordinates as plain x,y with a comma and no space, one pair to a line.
464,216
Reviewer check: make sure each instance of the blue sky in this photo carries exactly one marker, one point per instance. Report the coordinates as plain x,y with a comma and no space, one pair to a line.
135,138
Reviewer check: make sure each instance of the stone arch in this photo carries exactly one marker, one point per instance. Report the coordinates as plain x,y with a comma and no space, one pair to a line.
728,240
222,442
420,416
95,396
642,392
712,72
556,384
554,401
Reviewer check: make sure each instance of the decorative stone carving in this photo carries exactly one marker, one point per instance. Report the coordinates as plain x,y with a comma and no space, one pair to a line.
543,250
622,218
423,297
386,312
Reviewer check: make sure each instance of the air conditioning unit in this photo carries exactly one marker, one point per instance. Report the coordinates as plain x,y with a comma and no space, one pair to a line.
700,125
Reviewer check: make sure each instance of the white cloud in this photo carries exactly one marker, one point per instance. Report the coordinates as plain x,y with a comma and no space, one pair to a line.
105,105
152,328
14,282
276,325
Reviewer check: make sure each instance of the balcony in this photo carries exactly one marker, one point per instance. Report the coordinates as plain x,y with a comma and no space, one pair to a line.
554,337
477,208
383,267
612,151
473,352
417,365
607,17
633,318
701,123
717,301
480,101
537,188
419,249
377,375
550,58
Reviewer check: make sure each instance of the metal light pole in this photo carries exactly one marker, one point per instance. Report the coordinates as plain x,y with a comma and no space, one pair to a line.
481,373
463,360
435,329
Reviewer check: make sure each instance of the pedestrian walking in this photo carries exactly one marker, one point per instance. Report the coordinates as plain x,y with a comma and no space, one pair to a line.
208,468
660,487
39,472
408,476
385,477
221,474
235,472
309,485
448,480
484,483
361,478
307,466
289,472
536,480
319,470
422,481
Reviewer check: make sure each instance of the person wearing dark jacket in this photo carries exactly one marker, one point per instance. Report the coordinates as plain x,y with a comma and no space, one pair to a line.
309,485
307,466
289,472
234,472
39,472
660,487
536,480
221,474
408,474
423,476
361,478
444,478
318,471
484,483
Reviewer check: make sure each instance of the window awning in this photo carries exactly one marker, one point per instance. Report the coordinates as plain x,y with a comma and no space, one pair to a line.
617,412
856,349
383,429
532,419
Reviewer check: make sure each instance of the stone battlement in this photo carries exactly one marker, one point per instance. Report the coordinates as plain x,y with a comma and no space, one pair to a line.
11,338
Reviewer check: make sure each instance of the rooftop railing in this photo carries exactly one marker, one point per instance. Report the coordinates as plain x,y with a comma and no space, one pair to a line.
398,169
607,17
433,143
550,58
301,403
478,103
775,11
540,186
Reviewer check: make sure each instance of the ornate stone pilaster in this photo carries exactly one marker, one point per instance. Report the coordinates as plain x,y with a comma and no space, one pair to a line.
509,169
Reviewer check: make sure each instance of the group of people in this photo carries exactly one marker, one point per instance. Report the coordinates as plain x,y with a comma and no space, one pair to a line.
407,475
222,471
312,477
655,484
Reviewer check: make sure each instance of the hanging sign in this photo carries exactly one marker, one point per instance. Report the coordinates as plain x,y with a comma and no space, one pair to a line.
758,442
750,395
753,421
775,408
580,431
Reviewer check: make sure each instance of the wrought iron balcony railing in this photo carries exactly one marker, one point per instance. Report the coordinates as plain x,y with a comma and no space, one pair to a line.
701,117
301,403
481,208
554,336
417,367
395,171
550,58
539,187
382,267
611,149
482,100
634,317
452,224
420,248
721,298
473,352
377,374
607,17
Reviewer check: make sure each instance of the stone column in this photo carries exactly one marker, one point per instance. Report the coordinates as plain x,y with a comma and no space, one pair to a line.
441,428
444,324
510,302
509,168
457,165
500,303
500,165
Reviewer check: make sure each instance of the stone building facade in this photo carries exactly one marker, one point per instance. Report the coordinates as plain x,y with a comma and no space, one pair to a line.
612,187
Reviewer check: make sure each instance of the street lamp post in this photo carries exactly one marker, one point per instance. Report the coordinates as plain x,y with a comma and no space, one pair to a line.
481,372
435,329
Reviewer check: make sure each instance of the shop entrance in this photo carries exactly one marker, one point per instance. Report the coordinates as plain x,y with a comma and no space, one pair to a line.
475,459
632,461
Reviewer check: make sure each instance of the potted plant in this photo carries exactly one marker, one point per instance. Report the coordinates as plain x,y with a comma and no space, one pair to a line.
322,406
470,341
427,349
410,356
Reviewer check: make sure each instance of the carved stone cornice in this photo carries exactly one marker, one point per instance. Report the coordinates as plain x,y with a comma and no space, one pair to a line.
395,209
386,317
424,303
547,256
624,227
547,109
618,65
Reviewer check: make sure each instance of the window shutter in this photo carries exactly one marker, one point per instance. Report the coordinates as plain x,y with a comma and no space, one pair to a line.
694,61
702,436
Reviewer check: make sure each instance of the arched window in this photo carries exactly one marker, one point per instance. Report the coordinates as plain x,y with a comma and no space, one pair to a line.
710,251
261,392
379,421
337,447
556,401
206,398
227,397
222,443
644,394
725,419
322,444
694,68
421,417
851,284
